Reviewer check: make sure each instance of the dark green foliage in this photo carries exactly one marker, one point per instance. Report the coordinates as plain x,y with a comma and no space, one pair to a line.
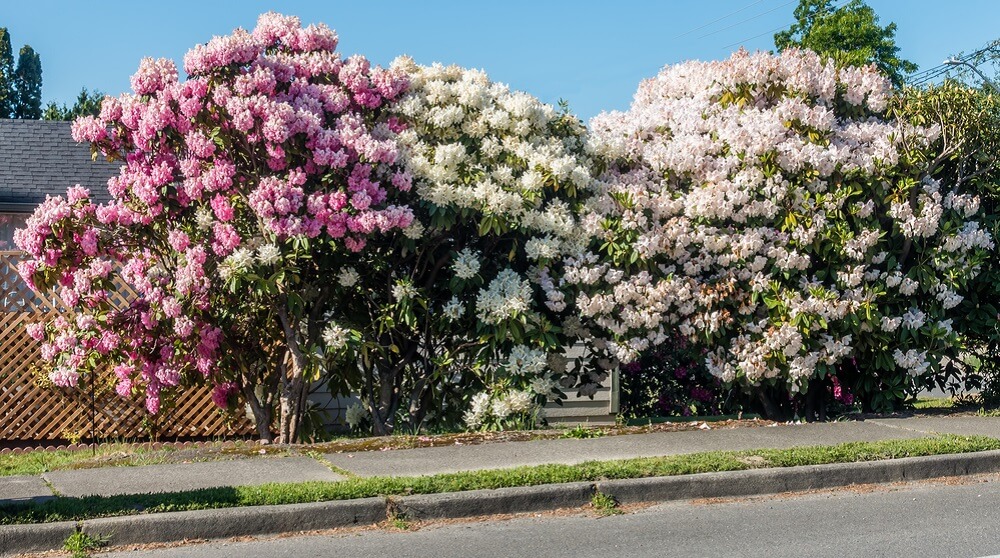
6,74
28,85
670,380
849,34
87,104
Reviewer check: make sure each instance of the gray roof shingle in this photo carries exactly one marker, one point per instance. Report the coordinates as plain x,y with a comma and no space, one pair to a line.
39,157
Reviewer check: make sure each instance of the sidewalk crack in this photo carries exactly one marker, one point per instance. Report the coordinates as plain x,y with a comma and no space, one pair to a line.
898,427
50,486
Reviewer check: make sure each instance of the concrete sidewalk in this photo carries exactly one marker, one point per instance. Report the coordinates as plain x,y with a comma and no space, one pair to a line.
109,481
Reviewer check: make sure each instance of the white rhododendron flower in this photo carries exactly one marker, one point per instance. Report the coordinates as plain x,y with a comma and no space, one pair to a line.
354,415
348,277
525,361
466,264
506,296
764,204
268,254
403,290
335,337
453,309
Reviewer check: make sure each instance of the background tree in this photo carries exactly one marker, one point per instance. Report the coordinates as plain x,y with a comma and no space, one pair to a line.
6,74
87,104
28,85
849,34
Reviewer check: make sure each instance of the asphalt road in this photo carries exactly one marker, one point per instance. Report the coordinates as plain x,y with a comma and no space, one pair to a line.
912,520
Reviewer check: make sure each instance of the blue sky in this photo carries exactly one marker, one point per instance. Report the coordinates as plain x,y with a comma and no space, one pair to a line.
591,53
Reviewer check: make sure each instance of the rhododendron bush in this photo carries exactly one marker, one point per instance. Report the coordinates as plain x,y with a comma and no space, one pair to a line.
462,318
765,208
238,188
288,216
432,241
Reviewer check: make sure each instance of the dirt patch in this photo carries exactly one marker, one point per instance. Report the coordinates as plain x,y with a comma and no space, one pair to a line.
753,461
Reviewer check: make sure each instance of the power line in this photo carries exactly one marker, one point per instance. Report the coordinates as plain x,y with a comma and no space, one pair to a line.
834,8
714,21
934,72
746,20
771,32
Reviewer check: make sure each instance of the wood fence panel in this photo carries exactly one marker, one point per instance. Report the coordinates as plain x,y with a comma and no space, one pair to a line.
34,411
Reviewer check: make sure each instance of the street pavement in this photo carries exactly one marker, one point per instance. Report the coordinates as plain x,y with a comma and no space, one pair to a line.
910,520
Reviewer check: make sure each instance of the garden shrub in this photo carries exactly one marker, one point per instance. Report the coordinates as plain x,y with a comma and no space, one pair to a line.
241,189
461,318
967,153
767,208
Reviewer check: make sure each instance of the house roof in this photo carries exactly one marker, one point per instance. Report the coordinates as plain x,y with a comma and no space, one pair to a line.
39,157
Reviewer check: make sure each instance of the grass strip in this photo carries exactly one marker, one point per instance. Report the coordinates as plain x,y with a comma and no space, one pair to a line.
43,461
76,509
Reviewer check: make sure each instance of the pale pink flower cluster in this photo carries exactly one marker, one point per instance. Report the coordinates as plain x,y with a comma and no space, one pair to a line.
751,200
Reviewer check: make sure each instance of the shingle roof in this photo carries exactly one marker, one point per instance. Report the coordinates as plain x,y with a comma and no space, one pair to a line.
39,157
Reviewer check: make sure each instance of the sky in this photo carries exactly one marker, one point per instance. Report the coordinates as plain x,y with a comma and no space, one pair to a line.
592,53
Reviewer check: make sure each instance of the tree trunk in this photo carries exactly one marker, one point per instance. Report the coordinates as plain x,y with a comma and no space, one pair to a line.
290,401
771,411
261,415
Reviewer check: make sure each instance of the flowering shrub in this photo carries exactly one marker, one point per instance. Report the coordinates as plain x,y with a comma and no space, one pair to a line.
764,207
461,317
967,152
238,189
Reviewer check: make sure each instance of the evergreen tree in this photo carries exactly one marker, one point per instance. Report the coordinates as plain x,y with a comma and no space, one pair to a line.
87,104
28,85
6,75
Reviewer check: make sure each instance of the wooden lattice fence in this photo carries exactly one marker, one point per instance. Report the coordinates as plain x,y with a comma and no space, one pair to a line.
34,411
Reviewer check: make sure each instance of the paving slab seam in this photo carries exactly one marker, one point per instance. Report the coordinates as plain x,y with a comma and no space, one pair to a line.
898,427
269,520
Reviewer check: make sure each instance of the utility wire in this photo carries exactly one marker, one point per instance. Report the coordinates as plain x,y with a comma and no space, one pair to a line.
771,32
746,20
834,8
714,21
934,72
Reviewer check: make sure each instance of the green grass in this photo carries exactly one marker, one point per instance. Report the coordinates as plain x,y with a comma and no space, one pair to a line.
42,461
80,544
604,504
644,421
934,403
64,508
125,454
581,433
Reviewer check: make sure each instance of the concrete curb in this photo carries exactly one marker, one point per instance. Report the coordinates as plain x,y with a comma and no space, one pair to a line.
16,539
236,522
269,520
499,501
809,477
